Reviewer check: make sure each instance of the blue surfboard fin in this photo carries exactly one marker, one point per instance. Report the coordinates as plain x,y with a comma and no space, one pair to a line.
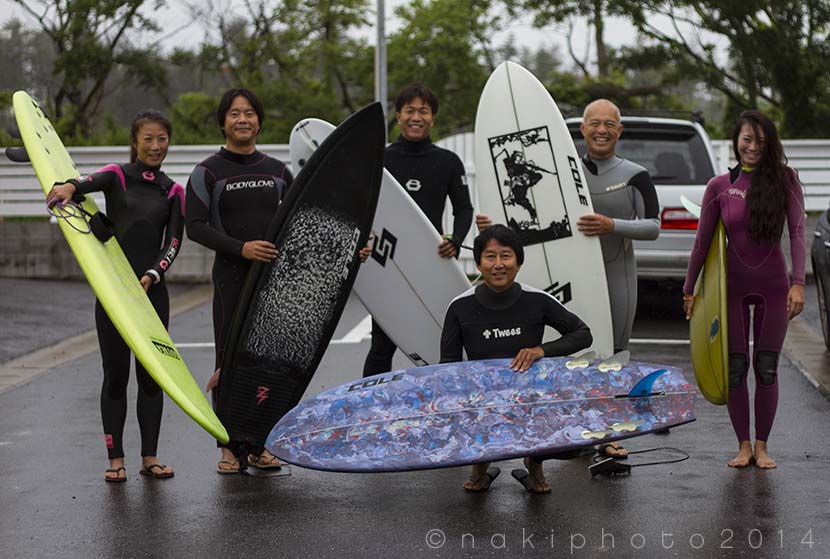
643,388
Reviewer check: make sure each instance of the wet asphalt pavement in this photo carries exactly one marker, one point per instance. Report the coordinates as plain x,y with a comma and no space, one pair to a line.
55,503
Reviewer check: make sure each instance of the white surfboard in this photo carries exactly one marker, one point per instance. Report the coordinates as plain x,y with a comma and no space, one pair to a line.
405,284
528,175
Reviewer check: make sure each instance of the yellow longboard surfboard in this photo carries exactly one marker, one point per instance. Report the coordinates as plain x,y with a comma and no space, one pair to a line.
707,327
111,276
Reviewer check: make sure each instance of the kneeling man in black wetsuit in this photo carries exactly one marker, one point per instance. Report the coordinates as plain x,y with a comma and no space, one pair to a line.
502,303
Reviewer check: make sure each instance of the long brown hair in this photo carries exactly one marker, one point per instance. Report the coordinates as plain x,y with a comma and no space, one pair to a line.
139,120
767,197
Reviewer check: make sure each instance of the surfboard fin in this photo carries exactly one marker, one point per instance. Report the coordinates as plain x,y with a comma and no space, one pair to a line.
581,361
644,387
18,155
615,362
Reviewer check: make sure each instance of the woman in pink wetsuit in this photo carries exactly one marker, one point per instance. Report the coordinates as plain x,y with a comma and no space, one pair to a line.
753,200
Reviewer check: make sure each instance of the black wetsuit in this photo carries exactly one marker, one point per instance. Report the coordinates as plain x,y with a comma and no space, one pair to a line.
429,174
490,325
231,199
147,211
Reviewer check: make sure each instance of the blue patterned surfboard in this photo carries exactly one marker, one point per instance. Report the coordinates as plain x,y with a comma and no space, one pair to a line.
478,411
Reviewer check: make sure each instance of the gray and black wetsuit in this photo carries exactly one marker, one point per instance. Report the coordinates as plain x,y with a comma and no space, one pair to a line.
622,190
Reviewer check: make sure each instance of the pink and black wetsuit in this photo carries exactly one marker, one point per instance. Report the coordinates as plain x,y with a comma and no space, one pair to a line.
756,276
147,211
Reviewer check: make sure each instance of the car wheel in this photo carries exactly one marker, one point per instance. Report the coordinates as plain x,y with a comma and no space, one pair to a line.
822,308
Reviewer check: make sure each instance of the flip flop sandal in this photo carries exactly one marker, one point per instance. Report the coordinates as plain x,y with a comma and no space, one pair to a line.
489,477
116,472
524,478
257,462
228,471
150,472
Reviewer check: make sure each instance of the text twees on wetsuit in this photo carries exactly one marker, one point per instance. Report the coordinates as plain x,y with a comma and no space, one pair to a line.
489,325
147,210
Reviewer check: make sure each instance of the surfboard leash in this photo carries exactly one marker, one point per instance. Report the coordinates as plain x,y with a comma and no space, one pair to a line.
98,223
610,466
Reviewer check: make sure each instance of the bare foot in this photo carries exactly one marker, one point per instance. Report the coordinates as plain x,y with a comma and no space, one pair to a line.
116,471
478,478
536,476
612,450
228,464
744,457
762,458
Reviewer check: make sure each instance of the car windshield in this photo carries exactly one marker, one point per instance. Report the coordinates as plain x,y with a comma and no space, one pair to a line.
673,155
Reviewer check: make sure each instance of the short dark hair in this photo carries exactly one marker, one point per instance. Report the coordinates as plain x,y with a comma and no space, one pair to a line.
409,92
505,236
227,99
142,118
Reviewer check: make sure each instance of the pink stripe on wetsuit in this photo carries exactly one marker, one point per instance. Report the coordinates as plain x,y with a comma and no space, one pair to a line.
756,276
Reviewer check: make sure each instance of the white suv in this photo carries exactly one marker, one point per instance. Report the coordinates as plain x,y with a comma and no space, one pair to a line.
679,156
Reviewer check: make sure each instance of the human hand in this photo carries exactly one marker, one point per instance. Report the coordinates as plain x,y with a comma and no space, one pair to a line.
259,251
688,305
146,282
525,358
365,253
595,224
446,249
483,222
60,194
795,301
213,380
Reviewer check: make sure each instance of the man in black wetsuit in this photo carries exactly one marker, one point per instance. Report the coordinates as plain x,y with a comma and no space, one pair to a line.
429,174
231,198
519,314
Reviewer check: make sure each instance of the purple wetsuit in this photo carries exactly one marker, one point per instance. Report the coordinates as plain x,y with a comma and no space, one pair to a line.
756,276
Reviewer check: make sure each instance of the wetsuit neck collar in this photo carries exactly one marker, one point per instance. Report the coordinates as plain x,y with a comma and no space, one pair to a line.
241,158
498,301
415,147
600,166
141,166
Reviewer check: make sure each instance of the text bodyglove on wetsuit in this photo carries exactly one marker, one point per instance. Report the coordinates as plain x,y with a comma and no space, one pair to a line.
623,191
231,199
147,211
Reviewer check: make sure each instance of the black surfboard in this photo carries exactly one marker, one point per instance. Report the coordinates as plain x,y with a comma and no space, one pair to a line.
289,308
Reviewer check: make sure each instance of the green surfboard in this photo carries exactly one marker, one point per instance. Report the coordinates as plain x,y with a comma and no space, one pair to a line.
111,276
707,327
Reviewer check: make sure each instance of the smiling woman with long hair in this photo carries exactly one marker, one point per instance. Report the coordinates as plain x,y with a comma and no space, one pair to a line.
754,199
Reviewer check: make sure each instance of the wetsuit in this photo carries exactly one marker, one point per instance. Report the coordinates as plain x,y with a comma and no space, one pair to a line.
429,174
756,276
147,211
231,199
623,191
490,325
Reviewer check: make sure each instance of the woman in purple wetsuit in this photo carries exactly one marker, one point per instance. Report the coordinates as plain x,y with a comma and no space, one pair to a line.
147,211
753,200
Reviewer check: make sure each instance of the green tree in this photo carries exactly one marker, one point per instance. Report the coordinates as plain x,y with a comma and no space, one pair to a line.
90,39
447,45
778,54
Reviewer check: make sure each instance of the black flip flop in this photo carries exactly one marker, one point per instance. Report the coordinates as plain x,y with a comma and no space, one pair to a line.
115,471
602,450
489,478
148,471
524,478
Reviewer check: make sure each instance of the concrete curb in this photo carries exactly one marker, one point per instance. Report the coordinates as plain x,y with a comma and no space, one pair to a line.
804,347
25,369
